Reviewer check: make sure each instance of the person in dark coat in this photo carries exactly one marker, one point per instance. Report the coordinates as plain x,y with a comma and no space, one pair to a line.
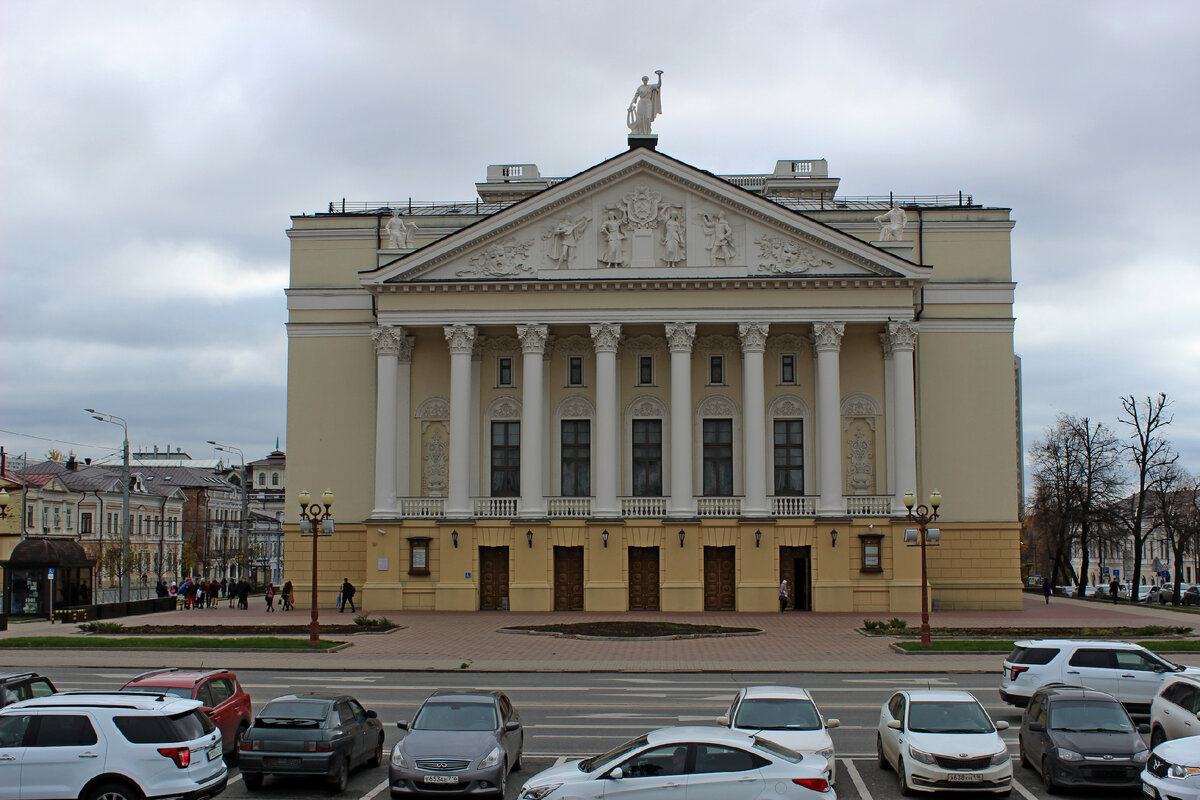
243,595
1114,587
347,596
287,597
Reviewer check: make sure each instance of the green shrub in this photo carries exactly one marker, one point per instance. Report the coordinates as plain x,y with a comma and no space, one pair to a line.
101,627
372,622
873,624
896,622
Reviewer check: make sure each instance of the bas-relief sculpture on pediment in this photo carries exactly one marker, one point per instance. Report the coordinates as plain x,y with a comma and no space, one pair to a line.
501,260
788,256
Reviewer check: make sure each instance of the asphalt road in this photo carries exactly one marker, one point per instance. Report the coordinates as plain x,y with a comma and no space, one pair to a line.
580,714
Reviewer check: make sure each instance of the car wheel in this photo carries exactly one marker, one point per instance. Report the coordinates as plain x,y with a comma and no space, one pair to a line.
516,767
253,780
238,736
377,756
114,791
339,779
902,776
883,762
1021,753
1157,737
1048,778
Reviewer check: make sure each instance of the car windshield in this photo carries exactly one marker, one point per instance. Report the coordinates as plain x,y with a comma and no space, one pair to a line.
778,714
455,716
948,716
293,712
620,751
1090,716
175,691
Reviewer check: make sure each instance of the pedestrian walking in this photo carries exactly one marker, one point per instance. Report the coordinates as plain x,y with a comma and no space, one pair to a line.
783,594
270,597
287,597
1114,587
347,596
244,595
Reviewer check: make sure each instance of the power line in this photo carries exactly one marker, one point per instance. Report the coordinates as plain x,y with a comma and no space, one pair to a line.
56,441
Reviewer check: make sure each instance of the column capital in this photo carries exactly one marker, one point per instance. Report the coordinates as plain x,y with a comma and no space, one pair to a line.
903,335
461,338
680,336
387,339
885,341
606,337
828,335
753,336
533,338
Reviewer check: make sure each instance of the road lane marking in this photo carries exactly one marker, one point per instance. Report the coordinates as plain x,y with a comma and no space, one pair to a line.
374,791
234,779
560,760
1021,790
857,779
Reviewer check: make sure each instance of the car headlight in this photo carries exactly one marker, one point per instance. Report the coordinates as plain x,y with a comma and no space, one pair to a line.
491,759
1140,756
1180,771
538,792
398,757
1069,755
999,758
920,755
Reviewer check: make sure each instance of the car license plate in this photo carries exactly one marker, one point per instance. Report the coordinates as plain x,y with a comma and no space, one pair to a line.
281,762
214,752
440,779
963,777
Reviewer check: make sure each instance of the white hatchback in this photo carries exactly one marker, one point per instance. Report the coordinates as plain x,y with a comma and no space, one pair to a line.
783,714
1173,770
942,740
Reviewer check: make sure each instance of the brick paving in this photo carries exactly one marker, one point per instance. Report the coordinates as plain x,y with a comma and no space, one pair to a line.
791,642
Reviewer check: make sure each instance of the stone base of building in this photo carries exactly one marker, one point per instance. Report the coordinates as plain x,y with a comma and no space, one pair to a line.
614,566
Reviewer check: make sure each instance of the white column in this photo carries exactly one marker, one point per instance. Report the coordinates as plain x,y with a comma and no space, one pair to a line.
462,342
754,425
827,341
606,339
387,347
533,345
476,421
679,338
404,417
904,341
889,412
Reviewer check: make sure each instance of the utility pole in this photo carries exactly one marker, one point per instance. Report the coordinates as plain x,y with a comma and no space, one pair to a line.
245,533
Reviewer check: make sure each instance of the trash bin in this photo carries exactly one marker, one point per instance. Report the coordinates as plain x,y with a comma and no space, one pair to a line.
504,604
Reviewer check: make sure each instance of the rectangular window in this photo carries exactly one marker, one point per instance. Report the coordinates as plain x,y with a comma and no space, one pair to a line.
68,513
647,458
716,370
45,518
57,518
789,457
575,371
718,457
85,523
506,459
645,371
29,517
576,458
787,369
504,372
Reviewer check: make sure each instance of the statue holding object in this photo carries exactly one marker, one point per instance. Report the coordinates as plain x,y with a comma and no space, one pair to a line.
645,105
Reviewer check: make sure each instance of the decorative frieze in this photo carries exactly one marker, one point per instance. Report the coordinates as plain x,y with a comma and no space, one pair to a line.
715,344
501,260
576,407
499,345
433,407
573,345
461,338
647,406
533,338
680,336
607,337
860,471
716,405
407,345
645,343
753,336
885,341
787,256
787,343
828,335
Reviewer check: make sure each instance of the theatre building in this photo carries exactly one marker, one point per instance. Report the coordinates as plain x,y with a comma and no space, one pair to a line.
650,387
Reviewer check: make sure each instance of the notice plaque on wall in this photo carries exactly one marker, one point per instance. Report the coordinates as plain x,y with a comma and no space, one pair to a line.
872,547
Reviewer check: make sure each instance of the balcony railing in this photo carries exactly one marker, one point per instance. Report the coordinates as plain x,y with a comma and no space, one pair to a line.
569,506
869,505
718,506
422,507
643,507
495,507
794,506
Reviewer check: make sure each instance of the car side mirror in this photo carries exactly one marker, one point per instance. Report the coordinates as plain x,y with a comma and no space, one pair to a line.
616,774
832,723
1036,727
371,714
402,724
1002,725
1143,728
512,726
895,725
723,722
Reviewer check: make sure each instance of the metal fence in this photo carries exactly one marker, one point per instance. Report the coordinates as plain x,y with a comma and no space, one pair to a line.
112,594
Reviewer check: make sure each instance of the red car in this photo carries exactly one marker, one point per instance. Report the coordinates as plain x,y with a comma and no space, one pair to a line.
225,702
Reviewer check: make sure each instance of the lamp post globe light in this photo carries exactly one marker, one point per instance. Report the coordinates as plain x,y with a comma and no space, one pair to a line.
244,531
315,523
923,515
122,570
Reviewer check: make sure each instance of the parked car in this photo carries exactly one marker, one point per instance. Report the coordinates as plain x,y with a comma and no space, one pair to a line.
786,715
1189,594
663,764
942,740
324,735
1173,771
110,746
218,691
17,686
1125,670
461,742
1078,737
1173,714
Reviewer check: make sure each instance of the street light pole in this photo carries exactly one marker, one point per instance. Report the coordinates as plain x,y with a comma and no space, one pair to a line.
923,515
122,570
313,522
245,533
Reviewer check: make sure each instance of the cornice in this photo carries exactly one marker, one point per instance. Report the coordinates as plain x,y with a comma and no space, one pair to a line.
641,284
652,316
301,330
1004,325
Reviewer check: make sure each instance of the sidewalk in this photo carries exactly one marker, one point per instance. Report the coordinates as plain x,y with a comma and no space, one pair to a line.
471,641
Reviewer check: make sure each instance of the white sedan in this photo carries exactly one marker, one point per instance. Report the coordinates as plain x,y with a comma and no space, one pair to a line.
1173,770
942,740
696,763
783,714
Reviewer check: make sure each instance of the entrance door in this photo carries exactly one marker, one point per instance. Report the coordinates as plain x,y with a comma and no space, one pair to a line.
568,579
493,578
643,579
719,592
795,566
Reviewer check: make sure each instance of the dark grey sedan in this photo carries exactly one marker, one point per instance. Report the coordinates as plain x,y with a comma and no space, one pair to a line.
326,735
462,742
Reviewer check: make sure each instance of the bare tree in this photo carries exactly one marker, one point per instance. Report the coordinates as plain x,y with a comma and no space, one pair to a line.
1053,498
1175,501
1150,455
1098,481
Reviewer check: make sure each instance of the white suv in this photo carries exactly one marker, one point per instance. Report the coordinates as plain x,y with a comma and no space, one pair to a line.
1127,671
114,746
1173,714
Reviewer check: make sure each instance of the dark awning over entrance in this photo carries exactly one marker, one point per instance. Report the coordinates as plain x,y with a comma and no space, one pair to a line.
48,552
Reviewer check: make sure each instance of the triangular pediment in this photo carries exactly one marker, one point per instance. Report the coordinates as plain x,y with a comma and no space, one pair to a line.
644,215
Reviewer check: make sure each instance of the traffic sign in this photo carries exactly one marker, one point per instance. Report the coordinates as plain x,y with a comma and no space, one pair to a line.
50,573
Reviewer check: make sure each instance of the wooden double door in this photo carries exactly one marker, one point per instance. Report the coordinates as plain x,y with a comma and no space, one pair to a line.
643,579
795,566
568,579
720,579
493,578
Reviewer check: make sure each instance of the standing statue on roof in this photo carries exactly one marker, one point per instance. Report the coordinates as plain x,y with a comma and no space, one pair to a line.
399,232
645,105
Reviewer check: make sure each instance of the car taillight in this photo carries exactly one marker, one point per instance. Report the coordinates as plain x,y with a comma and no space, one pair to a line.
816,784
182,756
318,747
1013,672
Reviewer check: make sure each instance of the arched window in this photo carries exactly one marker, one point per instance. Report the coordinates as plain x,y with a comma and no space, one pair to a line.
274,478
262,479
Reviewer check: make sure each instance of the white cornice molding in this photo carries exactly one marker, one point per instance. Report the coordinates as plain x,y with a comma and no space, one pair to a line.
780,316
969,293
335,234
968,226
301,330
328,299
619,284
967,325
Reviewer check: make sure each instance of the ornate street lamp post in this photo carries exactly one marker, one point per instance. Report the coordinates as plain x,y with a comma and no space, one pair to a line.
123,572
923,515
315,523
244,548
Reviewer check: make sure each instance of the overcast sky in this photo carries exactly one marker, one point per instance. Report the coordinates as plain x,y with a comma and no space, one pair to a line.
152,153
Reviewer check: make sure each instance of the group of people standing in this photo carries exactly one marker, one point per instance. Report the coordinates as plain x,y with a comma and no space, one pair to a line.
199,593
286,597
